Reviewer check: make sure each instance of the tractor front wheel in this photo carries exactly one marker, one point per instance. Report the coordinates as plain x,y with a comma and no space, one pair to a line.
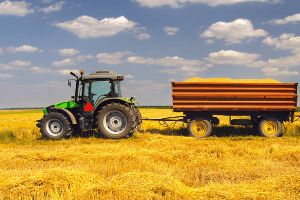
55,126
116,121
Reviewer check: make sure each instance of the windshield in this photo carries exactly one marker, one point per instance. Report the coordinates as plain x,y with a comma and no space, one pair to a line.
118,88
94,91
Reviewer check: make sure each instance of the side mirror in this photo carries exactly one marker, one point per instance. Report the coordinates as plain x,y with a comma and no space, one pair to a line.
69,83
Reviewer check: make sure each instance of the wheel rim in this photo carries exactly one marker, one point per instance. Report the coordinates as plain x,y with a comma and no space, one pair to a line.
199,128
54,127
270,127
115,122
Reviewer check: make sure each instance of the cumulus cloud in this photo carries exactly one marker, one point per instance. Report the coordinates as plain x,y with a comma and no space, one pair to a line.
5,67
167,61
147,85
170,30
290,19
66,72
185,70
233,32
19,8
19,63
209,41
65,62
276,72
112,58
82,58
143,36
128,76
1,51
55,7
6,76
182,3
89,27
232,57
285,41
24,48
289,61
40,70
47,1
68,52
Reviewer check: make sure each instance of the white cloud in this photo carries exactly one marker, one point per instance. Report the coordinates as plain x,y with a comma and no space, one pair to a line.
232,57
19,8
24,48
209,41
5,76
167,61
172,80
19,63
65,62
68,52
276,72
147,85
170,30
182,3
55,7
233,32
112,58
39,70
47,1
143,36
185,70
66,72
1,51
285,41
128,76
5,67
289,61
89,27
82,58
290,19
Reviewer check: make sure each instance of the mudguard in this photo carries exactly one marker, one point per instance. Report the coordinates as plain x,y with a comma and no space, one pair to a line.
67,112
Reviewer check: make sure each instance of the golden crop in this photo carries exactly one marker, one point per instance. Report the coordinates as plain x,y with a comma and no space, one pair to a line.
160,163
228,80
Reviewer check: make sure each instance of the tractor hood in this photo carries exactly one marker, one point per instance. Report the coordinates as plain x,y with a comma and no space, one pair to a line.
65,104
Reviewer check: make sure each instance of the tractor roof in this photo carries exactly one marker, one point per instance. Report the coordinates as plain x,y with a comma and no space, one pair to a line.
103,74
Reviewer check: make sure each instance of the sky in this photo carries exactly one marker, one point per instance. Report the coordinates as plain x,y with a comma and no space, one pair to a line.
150,42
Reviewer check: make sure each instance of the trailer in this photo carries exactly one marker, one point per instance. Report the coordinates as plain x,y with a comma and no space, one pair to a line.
268,105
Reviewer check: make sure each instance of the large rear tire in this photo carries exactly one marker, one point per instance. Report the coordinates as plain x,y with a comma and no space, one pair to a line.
138,118
270,127
55,126
116,121
199,127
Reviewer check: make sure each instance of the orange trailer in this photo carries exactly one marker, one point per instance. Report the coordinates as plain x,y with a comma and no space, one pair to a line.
268,105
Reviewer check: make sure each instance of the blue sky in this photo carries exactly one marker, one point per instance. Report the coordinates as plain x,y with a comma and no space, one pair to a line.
150,42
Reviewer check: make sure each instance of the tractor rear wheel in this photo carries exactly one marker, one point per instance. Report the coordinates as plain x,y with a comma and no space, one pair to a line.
199,127
116,121
138,118
55,126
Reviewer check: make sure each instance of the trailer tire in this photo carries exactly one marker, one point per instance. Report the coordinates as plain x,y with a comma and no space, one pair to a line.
115,121
55,126
199,127
270,126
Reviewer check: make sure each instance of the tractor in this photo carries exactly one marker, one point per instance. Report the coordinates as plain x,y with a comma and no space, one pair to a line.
97,104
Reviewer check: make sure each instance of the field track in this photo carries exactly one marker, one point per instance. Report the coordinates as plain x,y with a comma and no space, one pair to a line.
160,163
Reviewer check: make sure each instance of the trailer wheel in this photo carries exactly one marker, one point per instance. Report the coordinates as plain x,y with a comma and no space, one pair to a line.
270,127
199,127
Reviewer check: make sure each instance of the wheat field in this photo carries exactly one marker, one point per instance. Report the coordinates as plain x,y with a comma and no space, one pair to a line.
157,163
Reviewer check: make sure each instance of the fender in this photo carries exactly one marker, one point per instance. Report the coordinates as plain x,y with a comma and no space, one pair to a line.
108,100
52,108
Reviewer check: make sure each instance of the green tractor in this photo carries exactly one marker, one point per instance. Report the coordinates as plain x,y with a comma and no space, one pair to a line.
97,104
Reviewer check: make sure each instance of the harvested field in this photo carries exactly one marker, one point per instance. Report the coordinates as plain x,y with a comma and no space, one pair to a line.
160,163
